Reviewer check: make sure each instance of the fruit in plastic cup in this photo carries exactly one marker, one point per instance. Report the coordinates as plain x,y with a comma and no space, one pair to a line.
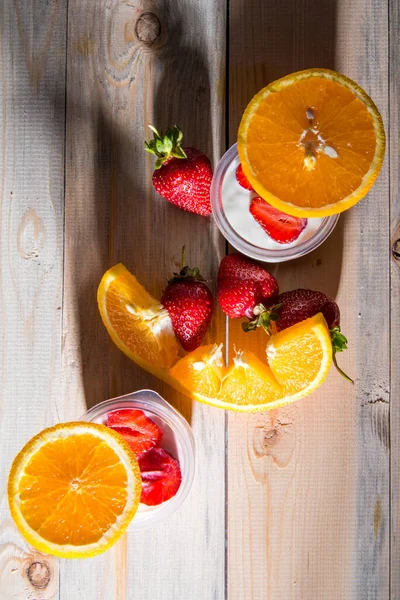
177,439
230,205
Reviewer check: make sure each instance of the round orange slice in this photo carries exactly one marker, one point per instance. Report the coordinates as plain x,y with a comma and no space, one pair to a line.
312,143
73,489
137,323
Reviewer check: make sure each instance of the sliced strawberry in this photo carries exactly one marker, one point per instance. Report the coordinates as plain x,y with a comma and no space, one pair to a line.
242,179
161,476
140,432
280,227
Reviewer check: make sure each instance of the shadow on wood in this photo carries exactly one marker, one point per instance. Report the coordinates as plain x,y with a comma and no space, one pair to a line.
292,37
168,62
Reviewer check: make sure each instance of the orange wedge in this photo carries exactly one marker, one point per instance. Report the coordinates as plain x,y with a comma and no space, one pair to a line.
249,384
136,322
200,372
299,359
73,489
312,143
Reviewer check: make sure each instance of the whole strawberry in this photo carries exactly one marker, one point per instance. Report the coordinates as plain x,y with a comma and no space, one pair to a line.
242,285
182,175
190,305
297,305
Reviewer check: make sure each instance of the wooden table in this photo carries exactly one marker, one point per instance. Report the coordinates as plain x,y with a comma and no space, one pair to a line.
300,503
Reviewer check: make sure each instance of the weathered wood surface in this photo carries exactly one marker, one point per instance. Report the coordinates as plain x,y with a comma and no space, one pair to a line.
394,91
32,93
312,516
307,499
117,84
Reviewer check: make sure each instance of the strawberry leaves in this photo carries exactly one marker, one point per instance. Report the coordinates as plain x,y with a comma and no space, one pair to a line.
339,344
164,146
263,318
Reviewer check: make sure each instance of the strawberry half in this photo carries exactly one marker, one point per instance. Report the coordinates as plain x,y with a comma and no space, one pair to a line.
182,175
190,305
242,285
139,431
161,476
279,226
242,179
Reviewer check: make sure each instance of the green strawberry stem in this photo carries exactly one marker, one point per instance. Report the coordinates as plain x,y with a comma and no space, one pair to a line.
263,318
165,145
186,272
339,344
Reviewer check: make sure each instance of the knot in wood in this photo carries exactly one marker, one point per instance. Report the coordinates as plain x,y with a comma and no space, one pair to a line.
396,249
148,28
38,574
265,440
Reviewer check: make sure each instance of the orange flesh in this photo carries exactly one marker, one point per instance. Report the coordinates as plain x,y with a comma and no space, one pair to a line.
61,478
341,138
250,383
207,380
125,296
297,362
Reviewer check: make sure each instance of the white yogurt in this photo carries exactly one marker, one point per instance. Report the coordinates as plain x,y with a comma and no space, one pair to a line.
236,204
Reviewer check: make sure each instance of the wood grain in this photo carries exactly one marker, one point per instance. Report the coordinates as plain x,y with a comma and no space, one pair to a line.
32,93
394,94
312,518
130,64
307,486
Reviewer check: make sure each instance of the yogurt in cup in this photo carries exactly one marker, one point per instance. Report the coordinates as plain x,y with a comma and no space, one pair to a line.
230,204
177,439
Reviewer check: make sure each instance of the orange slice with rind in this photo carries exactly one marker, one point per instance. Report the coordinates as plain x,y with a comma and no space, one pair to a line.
137,323
312,143
299,359
73,489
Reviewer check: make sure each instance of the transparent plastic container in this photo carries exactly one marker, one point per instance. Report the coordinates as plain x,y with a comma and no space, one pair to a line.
177,439
315,233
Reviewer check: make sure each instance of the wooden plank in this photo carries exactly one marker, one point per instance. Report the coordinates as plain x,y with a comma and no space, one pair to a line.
394,90
117,84
312,520
32,92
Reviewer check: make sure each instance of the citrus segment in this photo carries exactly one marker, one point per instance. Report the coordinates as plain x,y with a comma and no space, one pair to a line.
137,323
312,143
201,371
301,355
249,383
73,489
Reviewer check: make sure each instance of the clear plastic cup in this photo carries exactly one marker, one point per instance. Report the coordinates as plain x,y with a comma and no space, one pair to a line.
177,439
315,233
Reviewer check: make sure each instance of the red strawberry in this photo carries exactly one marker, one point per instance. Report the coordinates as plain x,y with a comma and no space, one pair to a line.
161,476
139,431
297,305
242,179
190,306
242,285
182,175
280,227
